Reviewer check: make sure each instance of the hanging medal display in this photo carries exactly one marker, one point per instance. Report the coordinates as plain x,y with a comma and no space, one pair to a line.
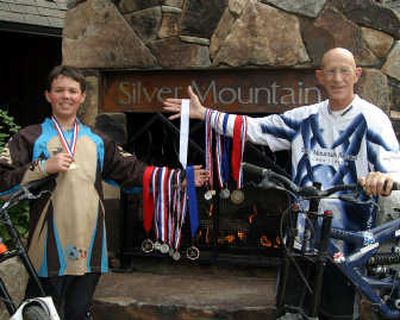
239,141
192,253
148,208
222,161
68,147
210,192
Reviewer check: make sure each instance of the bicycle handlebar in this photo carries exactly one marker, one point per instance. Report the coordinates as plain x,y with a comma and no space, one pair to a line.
306,191
32,190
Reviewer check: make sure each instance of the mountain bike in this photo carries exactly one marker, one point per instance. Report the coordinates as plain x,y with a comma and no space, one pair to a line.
370,266
38,308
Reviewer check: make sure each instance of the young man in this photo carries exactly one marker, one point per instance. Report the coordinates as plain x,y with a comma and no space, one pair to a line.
67,241
335,141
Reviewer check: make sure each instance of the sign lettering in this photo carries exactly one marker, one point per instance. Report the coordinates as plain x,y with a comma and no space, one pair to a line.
243,91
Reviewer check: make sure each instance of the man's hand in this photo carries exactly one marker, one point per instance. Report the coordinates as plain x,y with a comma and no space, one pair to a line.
58,163
201,176
196,109
377,184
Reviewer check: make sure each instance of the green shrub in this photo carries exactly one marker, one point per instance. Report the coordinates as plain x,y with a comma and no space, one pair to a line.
20,213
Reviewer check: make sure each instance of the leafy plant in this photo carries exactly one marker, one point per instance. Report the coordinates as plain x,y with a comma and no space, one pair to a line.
7,127
20,213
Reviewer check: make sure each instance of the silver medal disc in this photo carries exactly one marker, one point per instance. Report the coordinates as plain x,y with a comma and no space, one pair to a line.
237,196
176,255
192,253
208,195
164,248
147,246
157,246
224,193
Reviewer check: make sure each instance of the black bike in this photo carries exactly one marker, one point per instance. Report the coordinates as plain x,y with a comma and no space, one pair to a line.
38,308
370,266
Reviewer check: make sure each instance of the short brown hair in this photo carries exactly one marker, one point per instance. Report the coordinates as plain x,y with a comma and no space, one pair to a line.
66,71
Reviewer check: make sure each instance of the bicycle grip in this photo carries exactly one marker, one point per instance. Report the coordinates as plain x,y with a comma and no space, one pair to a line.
253,169
396,185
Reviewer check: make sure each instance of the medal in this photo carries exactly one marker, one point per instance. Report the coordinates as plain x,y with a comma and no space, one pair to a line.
224,193
237,197
73,166
147,246
157,246
239,141
176,255
208,195
192,253
164,248
208,154
222,147
68,146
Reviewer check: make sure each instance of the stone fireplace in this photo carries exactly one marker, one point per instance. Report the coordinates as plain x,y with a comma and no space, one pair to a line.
245,56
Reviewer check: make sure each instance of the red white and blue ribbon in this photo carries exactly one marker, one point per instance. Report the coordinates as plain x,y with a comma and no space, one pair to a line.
171,211
226,143
162,207
180,213
208,146
219,150
69,147
154,183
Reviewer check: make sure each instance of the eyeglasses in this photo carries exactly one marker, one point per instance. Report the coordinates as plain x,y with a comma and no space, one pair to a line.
331,73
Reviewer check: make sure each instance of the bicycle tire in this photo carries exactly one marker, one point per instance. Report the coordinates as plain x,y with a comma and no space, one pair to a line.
35,311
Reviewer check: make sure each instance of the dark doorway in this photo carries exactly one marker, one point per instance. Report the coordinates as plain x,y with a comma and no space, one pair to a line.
26,60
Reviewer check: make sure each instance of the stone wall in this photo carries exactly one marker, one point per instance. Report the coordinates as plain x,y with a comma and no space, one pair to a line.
237,34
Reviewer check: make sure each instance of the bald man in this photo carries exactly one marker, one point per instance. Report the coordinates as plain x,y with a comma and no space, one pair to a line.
335,141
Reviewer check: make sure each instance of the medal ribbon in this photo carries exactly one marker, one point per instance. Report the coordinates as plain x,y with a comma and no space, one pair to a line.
181,214
70,147
243,143
208,145
219,155
148,202
239,140
193,209
154,180
184,133
162,204
226,149
171,211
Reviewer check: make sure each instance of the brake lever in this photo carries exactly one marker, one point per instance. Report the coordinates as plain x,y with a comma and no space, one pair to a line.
28,195
351,198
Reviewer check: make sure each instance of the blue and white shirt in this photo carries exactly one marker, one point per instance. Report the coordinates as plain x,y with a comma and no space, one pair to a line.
331,148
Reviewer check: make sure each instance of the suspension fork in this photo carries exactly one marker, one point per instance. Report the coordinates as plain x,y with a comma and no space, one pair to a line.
321,262
284,272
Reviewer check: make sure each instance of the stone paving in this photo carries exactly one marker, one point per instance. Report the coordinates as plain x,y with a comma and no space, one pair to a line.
163,291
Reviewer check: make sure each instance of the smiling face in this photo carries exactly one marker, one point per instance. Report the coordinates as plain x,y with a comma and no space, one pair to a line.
65,97
338,75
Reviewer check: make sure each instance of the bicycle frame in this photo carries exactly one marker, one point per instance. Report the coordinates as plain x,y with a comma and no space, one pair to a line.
354,265
24,193
20,252
367,244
